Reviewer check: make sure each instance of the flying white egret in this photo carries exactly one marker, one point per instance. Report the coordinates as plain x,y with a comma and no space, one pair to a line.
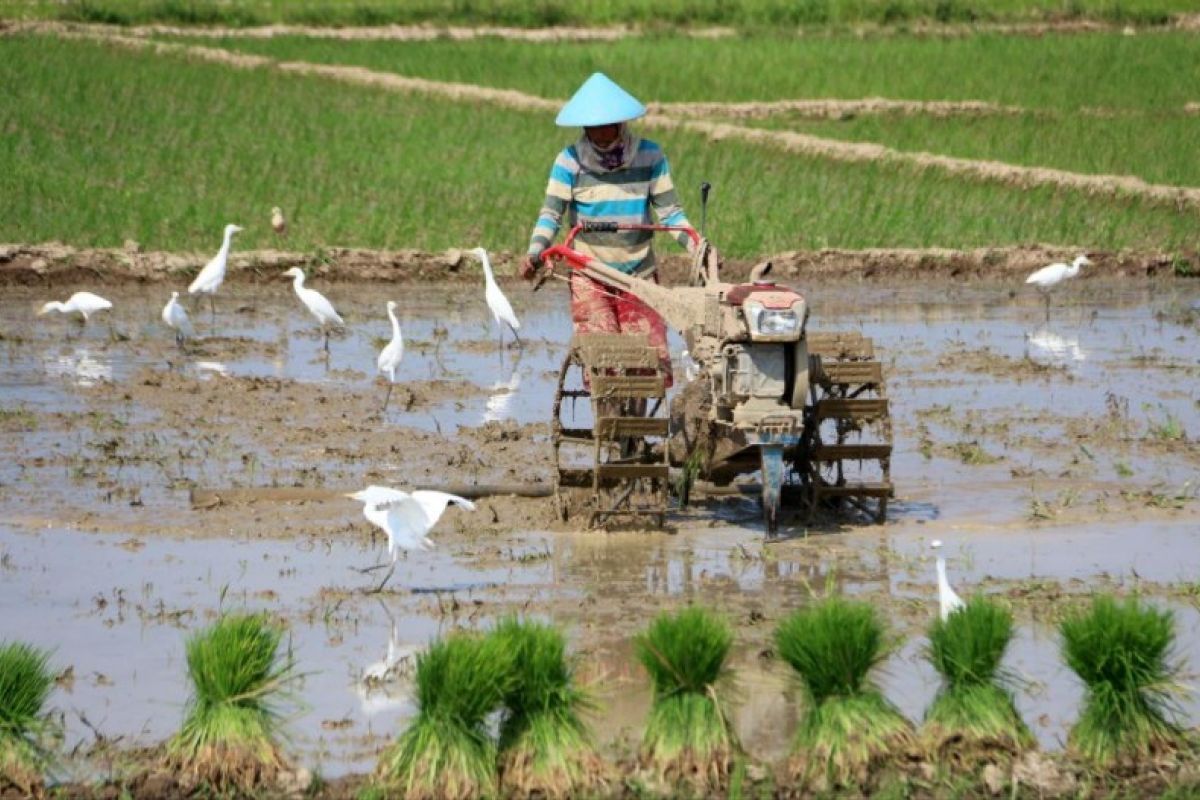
948,599
278,223
176,318
83,303
501,309
316,303
392,353
406,517
213,274
1046,278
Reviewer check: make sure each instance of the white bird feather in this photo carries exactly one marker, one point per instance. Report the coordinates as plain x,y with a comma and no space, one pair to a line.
175,317
502,310
948,599
406,517
213,273
392,353
82,303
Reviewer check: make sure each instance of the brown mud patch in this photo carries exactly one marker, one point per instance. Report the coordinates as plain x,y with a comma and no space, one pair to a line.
53,264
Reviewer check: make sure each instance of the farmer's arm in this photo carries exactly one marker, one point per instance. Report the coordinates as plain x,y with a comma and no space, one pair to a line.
666,201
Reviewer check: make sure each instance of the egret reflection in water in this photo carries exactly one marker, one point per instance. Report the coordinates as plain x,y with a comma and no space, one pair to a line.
1045,346
80,367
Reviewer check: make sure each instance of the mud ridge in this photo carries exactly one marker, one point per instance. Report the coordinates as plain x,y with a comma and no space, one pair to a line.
55,264
1115,186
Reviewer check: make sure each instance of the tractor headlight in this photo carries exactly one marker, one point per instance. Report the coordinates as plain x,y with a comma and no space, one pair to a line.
770,321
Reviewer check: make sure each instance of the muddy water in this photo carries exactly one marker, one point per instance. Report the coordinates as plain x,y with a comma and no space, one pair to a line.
1053,458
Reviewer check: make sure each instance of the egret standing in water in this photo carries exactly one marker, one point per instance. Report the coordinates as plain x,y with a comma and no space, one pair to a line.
316,303
1046,278
405,518
501,309
83,303
213,274
176,318
948,599
391,355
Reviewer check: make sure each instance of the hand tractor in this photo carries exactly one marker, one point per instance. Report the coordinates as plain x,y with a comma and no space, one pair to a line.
805,409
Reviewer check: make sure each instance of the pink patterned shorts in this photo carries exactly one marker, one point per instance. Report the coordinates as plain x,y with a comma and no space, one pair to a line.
596,308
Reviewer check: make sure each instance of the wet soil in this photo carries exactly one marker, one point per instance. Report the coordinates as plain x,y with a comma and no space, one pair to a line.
1054,457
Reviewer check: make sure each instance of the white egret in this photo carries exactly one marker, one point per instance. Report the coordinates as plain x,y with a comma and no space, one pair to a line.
1046,278
83,303
213,273
406,517
176,318
392,353
316,303
278,223
948,599
501,309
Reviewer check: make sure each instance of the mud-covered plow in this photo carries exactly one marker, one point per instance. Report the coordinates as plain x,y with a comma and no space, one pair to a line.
807,411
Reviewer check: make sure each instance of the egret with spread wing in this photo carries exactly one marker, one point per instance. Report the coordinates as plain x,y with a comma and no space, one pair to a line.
406,517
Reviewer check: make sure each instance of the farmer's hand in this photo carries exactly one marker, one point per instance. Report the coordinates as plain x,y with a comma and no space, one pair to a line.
529,267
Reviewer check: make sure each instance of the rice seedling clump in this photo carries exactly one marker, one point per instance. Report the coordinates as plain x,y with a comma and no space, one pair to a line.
688,735
25,683
545,747
848,728
230,735
447,751
1124,654
973,715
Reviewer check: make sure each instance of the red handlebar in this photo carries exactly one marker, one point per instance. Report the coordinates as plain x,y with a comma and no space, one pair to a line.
577,259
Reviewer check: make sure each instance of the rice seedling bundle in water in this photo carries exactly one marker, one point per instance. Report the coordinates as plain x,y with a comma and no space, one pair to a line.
447,751
1124,654
25,683
545,746
973,715
688,735
230,735
848,728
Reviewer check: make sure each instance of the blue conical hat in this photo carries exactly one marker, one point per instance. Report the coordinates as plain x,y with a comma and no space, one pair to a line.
599,102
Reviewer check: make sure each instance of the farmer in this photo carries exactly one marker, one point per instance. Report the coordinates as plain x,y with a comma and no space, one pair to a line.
609,174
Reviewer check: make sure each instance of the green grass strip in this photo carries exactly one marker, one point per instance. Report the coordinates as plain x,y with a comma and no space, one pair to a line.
26,681
101,147
1153,73
1123,651
591,12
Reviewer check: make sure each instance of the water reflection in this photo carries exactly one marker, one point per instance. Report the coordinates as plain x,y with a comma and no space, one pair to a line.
503,392
80,367
1044,346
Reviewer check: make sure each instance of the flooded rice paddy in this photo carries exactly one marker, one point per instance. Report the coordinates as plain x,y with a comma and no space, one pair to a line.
1053,458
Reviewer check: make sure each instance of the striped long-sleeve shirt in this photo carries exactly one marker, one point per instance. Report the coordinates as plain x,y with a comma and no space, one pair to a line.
625,194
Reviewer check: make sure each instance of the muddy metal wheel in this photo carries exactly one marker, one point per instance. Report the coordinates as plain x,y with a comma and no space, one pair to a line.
844,458
613,464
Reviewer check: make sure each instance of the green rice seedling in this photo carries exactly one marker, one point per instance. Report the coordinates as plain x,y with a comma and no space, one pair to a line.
447,753
545,747
1123,653
230,735
688,736
848,728
973,716
25,683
